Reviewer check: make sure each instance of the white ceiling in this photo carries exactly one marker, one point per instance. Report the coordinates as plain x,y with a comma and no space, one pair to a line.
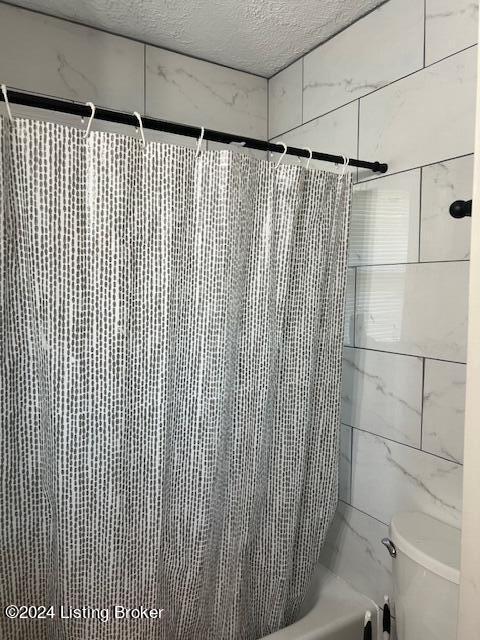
259,36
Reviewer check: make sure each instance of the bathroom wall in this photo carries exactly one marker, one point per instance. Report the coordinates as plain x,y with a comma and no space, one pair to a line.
62,59
399,87
468,610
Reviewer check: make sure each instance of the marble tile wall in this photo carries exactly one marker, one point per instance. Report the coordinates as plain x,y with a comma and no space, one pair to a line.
353,551
382,393
183,89
398,86
443,237
404,120
344,68
419,309
450,26
388,477
349,330
345,463
285,100
386,220
66,60
334,131
443,409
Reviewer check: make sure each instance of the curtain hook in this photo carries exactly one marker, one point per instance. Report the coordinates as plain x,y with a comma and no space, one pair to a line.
7,104
309,157
139,118
283,154
345,165
199,142
90,120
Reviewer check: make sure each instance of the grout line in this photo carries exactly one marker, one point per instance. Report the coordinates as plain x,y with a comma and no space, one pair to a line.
450,55
428,66
404,444
268,109
388,84
303,84
358,135
327,113
422,399
403,264
354,305
424,32
420,166
351,463
144,79
407,355
420,202
364,512
402,355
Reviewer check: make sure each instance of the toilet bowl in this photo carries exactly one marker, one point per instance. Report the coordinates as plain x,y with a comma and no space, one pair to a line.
426,575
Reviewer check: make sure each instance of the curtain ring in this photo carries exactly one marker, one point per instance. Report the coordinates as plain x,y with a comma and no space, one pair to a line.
139,118
90,120
283,154
7,104
199,142
309,157
345,165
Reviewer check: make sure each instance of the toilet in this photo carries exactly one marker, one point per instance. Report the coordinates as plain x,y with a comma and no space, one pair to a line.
426,575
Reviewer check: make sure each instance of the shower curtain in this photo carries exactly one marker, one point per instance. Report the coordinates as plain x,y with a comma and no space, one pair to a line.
171,361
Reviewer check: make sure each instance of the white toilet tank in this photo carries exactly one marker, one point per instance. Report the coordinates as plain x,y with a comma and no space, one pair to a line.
426,575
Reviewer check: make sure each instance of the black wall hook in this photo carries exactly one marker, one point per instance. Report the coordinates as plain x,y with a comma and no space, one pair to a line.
461,208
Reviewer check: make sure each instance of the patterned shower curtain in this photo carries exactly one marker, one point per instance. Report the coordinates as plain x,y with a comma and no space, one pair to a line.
171,361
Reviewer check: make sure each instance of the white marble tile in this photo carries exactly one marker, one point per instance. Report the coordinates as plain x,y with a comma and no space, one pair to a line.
424,118
285,100
45,55
382,393
353,551
388,477
237,148
417,309
393,629
349,329
345,463
385,45
172,138
385,220
334,133
444,409
450,25
443,237
192,91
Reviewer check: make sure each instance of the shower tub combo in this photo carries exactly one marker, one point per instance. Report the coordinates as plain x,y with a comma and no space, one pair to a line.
333,610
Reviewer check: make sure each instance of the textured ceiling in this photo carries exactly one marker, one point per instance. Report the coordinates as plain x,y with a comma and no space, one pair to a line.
259,36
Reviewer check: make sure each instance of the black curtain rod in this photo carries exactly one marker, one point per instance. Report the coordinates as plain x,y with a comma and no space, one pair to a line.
461,209
82,110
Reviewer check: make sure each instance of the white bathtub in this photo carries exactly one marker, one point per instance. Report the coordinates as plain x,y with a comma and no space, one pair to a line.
333,611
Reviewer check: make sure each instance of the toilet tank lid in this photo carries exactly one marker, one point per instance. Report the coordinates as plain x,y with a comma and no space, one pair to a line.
429,542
